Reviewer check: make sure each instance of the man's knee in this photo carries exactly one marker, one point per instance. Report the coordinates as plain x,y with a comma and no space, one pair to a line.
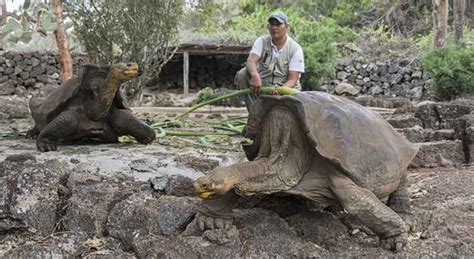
242,78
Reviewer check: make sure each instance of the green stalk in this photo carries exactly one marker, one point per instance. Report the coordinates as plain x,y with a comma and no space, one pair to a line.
283,90
197,133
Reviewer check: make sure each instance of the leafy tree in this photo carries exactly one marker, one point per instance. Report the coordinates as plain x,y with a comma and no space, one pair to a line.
62,42
35,20
145,32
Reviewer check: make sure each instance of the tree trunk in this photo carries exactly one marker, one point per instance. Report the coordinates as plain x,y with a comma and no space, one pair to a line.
459,9
440,22
65,58
3,10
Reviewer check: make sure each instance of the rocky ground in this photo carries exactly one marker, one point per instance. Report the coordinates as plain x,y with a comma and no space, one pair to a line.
131,200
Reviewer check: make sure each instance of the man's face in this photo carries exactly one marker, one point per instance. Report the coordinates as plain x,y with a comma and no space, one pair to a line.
277,29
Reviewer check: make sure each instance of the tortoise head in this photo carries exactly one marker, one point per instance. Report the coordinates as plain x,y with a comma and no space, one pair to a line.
215,184
124,71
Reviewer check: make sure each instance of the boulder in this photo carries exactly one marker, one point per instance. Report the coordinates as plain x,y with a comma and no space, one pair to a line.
346,88
29,192
267,235
439,153
142,214
404,121
14,107
441,115
7,88
92,199
175,185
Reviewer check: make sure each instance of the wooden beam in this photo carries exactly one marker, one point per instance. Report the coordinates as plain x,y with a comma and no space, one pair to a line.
186,72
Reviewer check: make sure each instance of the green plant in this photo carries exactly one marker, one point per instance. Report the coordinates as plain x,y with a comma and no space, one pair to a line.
320,51
452,70
142,31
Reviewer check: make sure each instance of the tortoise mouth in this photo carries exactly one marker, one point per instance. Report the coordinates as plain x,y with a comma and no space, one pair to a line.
131,72
204,192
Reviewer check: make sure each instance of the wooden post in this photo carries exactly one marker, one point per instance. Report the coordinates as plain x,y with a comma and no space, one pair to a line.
186,72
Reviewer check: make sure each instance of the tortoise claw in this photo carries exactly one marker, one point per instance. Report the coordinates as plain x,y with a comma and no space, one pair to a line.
208,223
395,243
32,133
45,146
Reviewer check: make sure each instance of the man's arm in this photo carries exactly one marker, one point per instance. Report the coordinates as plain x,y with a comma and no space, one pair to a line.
295,68
293,78
255,80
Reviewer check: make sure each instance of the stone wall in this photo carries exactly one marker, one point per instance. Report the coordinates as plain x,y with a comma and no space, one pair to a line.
25,72
391,78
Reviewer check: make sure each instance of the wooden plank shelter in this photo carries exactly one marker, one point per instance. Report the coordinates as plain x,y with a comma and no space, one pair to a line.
187,50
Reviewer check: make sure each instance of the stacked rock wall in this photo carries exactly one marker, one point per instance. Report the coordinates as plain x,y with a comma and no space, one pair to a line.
23,72
391,78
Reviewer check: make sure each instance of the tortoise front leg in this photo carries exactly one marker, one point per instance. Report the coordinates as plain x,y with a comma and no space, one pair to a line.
32,133
63,126
362,203
125,123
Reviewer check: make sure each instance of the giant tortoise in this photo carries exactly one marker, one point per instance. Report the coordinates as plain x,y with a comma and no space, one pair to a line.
90,106
322,147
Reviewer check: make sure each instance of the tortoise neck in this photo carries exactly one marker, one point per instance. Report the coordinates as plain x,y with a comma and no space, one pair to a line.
112,85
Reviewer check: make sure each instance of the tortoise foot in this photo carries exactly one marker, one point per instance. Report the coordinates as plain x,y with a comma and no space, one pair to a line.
45,146
395,243
146,140
208,223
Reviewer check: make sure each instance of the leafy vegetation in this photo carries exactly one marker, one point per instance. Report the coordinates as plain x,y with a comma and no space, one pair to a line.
143,31
452,70
320,51
112,31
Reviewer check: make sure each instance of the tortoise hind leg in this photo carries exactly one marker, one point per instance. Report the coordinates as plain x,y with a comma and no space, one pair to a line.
399,200
63,126
363,204
125,123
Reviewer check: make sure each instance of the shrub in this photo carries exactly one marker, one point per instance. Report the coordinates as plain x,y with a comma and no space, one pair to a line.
452,70
320,51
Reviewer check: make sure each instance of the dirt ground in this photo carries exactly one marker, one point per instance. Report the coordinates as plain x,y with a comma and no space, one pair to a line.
442,200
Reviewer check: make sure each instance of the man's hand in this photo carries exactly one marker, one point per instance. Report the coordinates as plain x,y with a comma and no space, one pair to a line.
255,80
255,84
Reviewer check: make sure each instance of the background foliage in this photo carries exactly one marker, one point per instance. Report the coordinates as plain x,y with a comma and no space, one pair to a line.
144,31
126,30
452,70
